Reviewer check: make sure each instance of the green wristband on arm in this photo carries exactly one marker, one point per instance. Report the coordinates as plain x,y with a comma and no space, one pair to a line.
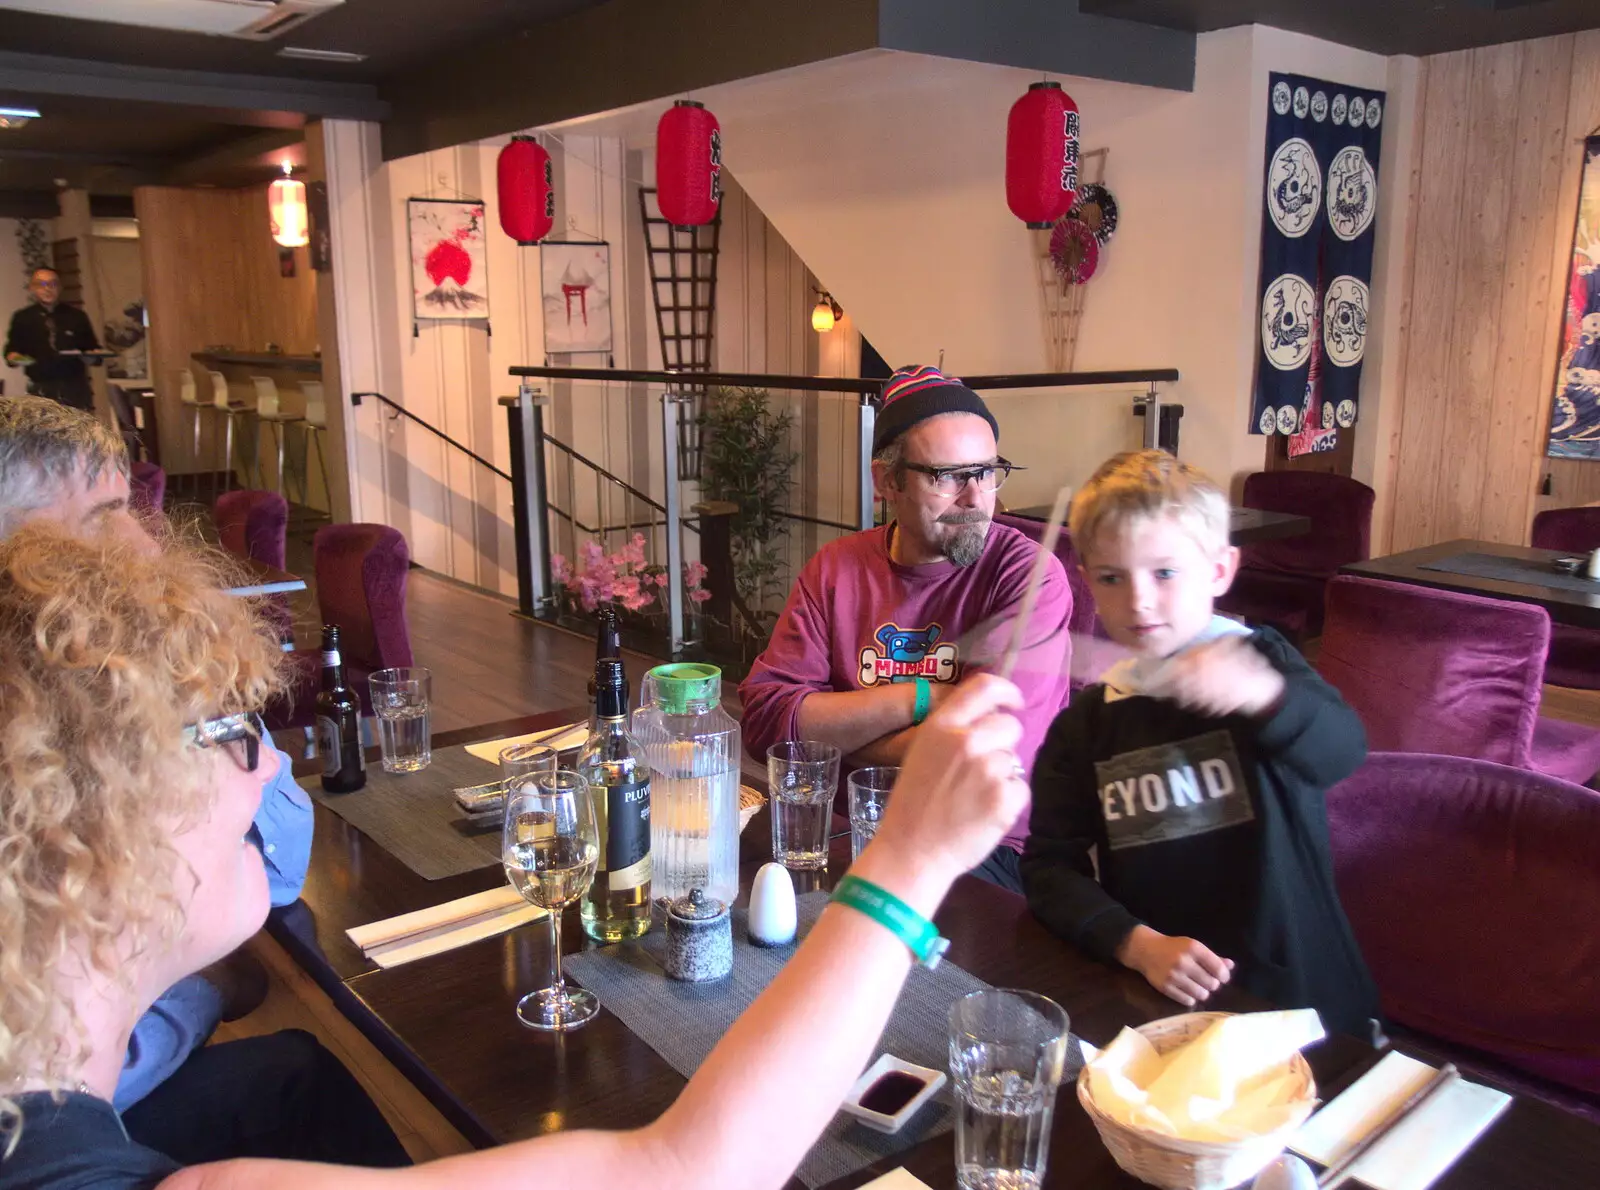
924,703
919,934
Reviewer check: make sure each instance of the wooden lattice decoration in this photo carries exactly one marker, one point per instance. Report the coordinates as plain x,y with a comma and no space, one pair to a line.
1063,303
683,289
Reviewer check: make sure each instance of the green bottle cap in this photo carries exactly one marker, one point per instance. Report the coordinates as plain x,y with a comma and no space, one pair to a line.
686,682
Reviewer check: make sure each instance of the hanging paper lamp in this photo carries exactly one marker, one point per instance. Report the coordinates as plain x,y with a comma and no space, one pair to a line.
1042,155
688,164
286,204
527,190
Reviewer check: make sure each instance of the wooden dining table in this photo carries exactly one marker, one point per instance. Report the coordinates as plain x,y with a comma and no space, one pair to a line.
1531,577
448,1022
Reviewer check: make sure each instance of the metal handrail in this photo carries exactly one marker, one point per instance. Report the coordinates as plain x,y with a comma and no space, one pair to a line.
355,399
847,384
596,467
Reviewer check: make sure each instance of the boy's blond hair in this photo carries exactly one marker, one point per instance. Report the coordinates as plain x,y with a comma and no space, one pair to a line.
1143,484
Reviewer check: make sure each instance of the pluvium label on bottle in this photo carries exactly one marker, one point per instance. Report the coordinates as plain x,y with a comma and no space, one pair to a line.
627,857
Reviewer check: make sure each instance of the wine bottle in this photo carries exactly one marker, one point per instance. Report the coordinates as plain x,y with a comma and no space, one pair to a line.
608,642
344,762
617,905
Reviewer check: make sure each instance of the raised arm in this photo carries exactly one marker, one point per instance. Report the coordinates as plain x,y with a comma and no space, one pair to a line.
792,1047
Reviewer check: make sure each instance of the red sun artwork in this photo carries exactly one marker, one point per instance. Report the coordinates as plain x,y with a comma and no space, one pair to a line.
448,259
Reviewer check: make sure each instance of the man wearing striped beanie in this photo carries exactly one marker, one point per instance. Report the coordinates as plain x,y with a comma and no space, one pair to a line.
882,624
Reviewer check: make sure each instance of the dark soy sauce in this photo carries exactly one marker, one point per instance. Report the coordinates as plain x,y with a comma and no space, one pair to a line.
891,1092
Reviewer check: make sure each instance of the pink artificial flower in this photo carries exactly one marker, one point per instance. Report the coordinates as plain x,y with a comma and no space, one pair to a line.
592,554
695,573
559,570
626,587
633,552
638,601
662,579
699,595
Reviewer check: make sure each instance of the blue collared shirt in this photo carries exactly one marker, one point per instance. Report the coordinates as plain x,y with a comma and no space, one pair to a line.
185,1015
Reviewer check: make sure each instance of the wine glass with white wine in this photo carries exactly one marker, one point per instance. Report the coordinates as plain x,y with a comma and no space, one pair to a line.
550,847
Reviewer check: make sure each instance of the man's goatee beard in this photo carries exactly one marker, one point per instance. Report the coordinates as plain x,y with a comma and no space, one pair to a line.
964,546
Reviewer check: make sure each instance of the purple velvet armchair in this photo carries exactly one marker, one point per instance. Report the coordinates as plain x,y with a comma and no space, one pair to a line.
255,525
1473,892
1574,658
1449,673
1282,582
147,487
361,586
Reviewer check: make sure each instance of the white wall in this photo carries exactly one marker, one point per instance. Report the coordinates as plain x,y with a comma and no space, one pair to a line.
885,171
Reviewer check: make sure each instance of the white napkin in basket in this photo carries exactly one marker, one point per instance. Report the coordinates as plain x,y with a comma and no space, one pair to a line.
1230,1083
439,928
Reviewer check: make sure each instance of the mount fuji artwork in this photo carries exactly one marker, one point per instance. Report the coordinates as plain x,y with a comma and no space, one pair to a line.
448,258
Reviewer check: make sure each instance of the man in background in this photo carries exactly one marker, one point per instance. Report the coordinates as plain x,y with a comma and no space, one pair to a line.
41,333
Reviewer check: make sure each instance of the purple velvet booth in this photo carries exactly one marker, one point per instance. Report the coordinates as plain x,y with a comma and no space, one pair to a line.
147,487
255,525
1282,582
1081,620
1574,658
1474,892
361,586
1449,673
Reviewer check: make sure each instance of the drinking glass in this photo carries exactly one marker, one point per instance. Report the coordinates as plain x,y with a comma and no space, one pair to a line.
520,762
401,698
1008,1051
802,776
550,847
869,795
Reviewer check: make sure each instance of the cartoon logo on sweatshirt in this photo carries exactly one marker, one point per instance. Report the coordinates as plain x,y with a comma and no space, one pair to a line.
1173,791
906,654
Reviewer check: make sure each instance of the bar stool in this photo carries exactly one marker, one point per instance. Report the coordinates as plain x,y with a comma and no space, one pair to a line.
225,407
269,411
190,396
316,426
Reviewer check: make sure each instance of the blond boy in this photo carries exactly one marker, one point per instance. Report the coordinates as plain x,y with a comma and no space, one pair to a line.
1195,771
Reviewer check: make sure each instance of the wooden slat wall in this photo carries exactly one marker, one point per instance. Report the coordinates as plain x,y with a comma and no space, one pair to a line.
1501,153
211,277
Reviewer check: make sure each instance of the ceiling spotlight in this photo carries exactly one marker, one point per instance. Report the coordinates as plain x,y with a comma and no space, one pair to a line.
16,117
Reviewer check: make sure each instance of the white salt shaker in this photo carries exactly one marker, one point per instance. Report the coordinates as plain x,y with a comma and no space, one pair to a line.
773,917
1594,564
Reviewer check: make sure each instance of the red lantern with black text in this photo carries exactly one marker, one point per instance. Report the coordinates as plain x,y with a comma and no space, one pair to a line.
527,190
688,164
1042,155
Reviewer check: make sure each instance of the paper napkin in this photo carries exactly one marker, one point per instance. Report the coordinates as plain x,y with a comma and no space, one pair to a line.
432,931
896,1179
560,738
1421,1147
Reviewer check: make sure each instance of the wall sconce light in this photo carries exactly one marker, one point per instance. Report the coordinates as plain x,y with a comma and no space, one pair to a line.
825,313
286,203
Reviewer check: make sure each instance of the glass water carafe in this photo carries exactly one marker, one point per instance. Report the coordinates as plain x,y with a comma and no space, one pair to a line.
692,746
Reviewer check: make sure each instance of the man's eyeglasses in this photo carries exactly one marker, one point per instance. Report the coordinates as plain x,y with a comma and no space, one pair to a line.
237,734
952,481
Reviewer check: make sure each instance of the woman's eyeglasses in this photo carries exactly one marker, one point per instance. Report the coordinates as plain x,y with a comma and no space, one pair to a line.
237,734
952,481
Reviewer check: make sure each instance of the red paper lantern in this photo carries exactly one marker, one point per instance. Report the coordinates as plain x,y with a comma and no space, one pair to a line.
688,164
1042,155
527,190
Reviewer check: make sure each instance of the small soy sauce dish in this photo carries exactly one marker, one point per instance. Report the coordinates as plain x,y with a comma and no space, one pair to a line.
890,1092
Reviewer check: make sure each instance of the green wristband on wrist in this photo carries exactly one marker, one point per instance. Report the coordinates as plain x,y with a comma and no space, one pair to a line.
924,703
919,934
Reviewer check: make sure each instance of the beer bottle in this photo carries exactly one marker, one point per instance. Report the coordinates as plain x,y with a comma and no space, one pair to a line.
344,763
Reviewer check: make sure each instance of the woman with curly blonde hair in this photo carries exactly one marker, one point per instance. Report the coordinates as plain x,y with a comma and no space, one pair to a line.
128,782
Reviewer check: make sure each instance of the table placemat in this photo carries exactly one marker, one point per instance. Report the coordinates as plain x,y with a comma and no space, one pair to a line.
683,1021
1513,570
414,816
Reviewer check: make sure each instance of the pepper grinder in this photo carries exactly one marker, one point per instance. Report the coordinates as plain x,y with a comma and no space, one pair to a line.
699,938
1594,565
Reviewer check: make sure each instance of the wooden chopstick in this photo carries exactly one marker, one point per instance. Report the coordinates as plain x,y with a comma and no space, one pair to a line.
1030,595
1441,1079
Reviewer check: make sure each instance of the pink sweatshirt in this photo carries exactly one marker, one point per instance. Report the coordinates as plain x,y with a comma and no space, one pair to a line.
856,618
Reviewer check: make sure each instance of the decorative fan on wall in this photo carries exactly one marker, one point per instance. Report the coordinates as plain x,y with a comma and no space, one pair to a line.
1097,209
1074,251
